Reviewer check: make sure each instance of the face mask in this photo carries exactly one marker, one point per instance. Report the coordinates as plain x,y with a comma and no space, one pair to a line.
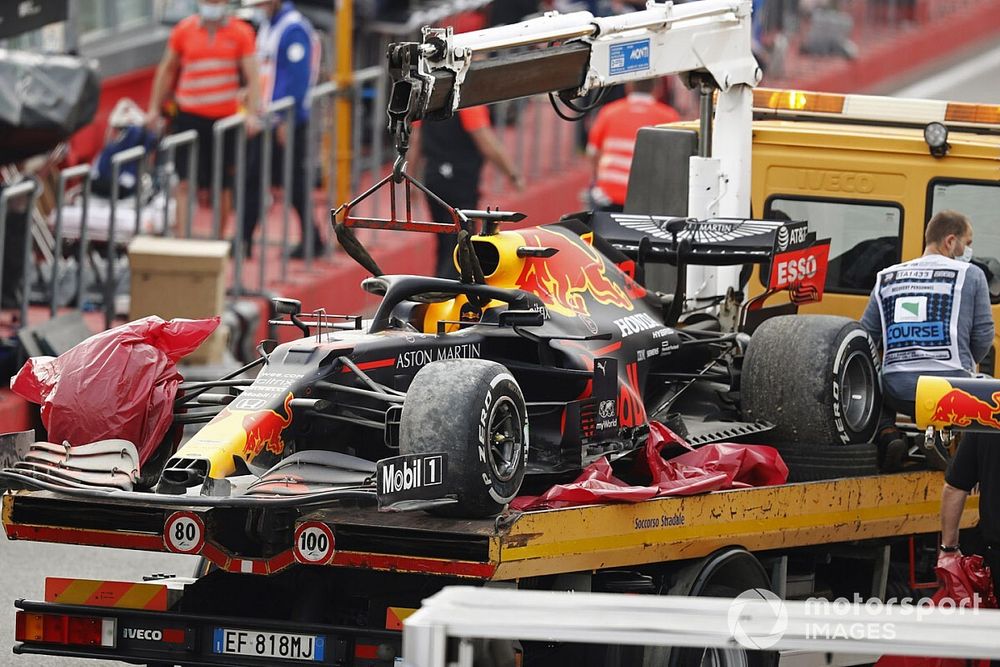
212,12
966,255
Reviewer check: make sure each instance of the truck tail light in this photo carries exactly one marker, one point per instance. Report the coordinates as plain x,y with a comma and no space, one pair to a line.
64,629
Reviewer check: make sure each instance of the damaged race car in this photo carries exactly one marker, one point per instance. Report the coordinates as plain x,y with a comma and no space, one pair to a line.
548,354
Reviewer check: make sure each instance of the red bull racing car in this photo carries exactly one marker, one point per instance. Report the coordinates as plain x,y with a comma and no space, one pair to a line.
549,353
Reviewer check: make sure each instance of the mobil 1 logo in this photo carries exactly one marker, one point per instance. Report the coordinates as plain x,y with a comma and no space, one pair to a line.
410,477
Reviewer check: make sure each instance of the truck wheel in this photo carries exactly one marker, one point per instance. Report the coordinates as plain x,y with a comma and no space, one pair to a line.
472,410
815,377
812,462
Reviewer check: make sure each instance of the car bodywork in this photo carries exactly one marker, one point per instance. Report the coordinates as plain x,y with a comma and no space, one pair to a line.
560,307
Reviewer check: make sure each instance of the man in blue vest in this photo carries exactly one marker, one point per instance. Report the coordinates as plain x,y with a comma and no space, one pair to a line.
932,316
288,57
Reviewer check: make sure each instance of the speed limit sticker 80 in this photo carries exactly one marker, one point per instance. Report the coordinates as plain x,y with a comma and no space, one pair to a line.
314,543
184,533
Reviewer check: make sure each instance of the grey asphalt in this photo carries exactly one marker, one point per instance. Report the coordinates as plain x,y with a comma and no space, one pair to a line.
24,566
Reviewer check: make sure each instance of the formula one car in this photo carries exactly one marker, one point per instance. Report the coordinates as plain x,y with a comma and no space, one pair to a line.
550,339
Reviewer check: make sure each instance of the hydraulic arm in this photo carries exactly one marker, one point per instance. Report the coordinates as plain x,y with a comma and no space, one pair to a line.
708,41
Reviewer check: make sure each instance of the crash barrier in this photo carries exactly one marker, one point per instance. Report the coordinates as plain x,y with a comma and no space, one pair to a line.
753,620
29,188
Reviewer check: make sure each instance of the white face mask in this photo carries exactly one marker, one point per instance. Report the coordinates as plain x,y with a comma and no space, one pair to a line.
966,255
212,12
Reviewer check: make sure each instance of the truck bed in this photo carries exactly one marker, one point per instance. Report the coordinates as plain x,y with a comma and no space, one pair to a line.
514,545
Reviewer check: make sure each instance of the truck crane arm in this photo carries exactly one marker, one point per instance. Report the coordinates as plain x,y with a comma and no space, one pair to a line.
570,54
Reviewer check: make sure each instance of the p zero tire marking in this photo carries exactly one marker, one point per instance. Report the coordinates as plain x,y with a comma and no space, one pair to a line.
184,533
314,543
840,363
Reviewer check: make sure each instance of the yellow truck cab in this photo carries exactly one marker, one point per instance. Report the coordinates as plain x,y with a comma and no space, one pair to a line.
868,173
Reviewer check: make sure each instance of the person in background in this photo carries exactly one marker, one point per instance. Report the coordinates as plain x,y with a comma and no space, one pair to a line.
914,313
611,141
206,55
125,130
453,152
288,53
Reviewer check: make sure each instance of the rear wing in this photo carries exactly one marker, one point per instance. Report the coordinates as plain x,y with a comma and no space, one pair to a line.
797,261
712,242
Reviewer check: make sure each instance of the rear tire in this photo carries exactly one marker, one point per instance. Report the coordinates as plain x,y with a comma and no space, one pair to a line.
812,463
473,410
815,377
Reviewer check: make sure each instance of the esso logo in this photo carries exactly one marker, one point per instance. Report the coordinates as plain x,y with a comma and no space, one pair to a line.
184,533
314,543
793,270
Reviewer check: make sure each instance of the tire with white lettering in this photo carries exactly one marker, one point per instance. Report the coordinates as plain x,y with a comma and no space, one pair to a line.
473,411
815,377
811,462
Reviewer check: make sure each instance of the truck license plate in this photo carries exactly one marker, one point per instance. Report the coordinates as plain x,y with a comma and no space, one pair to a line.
228,641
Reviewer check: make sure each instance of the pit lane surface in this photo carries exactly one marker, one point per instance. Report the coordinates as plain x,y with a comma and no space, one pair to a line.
24,566
975,78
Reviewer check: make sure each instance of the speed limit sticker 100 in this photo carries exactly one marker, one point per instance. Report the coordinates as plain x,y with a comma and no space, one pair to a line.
184,533
314,543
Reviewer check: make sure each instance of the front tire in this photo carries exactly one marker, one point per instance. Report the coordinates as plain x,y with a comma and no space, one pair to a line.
815,377
474,411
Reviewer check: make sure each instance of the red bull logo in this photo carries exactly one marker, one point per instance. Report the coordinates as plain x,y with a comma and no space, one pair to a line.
960,408
563,280
263,429
242,433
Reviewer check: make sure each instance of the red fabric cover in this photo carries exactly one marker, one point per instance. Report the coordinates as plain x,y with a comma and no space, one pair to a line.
709,468
120,383
961,577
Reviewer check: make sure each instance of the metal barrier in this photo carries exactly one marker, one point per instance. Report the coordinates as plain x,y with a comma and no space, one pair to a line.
369,146
168,148
81,171
286,106
321,94
235,123
134,154
372,158
814,626
31,188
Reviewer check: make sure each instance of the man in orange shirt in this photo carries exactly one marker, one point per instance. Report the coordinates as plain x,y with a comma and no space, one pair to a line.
611,141
205,56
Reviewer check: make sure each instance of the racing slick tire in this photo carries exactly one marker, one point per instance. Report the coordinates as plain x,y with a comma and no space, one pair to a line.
815,377
812,462
473,411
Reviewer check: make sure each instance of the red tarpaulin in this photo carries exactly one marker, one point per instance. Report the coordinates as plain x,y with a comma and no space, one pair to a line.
962,578
120,383
709,468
